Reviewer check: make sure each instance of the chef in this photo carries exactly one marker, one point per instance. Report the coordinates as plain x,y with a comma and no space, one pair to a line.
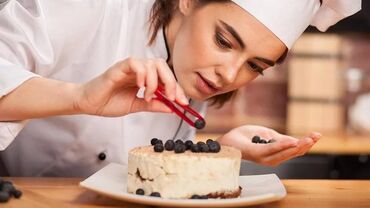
77,78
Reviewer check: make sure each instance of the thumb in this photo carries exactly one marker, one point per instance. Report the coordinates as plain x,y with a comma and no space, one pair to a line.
153,105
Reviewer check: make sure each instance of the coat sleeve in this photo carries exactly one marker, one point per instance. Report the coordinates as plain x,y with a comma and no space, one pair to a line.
24,46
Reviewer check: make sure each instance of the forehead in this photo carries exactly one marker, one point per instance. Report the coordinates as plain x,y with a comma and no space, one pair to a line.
258,39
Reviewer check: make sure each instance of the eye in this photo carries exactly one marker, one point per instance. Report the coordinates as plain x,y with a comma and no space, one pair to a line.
255,68
222,42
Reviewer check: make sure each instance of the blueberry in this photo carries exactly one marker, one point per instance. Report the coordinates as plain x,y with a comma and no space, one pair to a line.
195,197
159,142
262,141
155,194
153,141
188,144
200,124
214,146
204,148
4,196
209,141
180,148
271,141
256,139
8,182
179,141
17,194
158,148
140,192
204,197
200,143
7,187
169,145
195,148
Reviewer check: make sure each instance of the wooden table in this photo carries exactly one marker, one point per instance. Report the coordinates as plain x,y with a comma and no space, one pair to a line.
62,192
329,144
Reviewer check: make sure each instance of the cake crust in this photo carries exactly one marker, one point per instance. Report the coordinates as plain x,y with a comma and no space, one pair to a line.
228,195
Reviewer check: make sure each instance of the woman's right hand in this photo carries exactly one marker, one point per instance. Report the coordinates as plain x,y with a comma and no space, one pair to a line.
114,92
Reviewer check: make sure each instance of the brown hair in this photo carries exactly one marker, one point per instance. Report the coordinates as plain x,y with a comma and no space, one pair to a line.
161,15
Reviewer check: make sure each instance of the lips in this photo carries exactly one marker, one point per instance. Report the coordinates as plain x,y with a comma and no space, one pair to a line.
204,86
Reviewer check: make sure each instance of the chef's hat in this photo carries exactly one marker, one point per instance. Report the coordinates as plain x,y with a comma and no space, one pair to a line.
288,19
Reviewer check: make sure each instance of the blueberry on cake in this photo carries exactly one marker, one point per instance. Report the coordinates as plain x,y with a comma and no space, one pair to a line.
184,170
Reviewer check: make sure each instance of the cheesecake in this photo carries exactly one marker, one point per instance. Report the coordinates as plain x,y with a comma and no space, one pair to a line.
184,175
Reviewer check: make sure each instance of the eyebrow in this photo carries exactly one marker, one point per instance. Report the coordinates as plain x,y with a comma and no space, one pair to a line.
237,37
266,61
232,31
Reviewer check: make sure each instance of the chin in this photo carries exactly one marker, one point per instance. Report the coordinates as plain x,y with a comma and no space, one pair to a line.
193,94
197,96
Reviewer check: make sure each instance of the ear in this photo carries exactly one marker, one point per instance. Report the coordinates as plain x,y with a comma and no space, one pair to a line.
186,6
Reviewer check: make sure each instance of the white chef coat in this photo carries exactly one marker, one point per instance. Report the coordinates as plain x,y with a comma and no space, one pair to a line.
75,41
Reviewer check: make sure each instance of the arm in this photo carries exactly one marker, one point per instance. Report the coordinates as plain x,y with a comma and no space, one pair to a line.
25,44
111,94
38,97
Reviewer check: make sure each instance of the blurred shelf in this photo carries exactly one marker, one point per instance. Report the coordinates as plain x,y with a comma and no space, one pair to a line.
331,144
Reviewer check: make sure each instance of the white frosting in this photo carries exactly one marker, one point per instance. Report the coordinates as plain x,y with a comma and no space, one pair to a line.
183,175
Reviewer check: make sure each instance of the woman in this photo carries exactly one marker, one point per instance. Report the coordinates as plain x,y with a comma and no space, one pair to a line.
69,71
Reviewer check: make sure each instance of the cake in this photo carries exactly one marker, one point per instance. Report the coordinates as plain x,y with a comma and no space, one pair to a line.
184,171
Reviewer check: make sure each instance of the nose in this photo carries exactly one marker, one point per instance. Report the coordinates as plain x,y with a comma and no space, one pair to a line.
228,72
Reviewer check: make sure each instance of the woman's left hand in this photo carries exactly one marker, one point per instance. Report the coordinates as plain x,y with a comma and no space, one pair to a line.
271,154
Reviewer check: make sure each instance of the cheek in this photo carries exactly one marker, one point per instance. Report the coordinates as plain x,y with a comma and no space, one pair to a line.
193,49
244,78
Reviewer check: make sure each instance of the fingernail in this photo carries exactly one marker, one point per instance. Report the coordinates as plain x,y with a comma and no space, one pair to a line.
317,134
185,101
171,96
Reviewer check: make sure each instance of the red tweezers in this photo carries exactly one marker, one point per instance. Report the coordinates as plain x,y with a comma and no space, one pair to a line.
199,123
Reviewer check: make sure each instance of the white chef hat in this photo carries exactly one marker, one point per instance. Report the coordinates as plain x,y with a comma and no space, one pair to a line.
288,19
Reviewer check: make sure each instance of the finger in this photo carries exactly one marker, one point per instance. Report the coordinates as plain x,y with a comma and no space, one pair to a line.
180,95
140,71
291,156
151,83
307,143
303,146
315,136
154,105
166,76
273,148
282,137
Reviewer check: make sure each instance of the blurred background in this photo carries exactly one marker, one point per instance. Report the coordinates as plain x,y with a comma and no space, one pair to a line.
324,86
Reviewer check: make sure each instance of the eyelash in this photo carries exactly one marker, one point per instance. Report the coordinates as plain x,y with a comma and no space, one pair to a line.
222,43
255,68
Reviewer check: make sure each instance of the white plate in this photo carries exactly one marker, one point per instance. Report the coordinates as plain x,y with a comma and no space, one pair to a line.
257,189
